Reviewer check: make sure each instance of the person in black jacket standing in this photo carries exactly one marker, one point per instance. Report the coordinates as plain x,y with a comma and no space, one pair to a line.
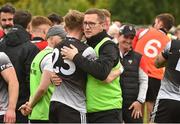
16,44
134,80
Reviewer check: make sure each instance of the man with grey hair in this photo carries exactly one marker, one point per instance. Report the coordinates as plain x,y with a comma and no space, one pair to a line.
41,88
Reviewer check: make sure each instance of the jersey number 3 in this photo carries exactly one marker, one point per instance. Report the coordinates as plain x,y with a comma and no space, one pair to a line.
57,69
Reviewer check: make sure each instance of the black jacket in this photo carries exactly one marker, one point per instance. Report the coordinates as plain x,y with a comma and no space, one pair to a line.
16,44
130,77
108,57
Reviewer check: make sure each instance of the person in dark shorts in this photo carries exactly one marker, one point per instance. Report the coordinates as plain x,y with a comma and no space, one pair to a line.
150,43
167,106
134,79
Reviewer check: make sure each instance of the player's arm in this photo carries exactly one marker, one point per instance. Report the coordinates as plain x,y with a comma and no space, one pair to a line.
163,56
160,61
42,88
47,70
114,74
101,67
9,75
143,80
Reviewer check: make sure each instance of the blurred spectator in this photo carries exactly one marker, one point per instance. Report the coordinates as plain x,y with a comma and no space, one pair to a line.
114,32
55,18
177,32
39,27
117,22
108,18
6,18
25,18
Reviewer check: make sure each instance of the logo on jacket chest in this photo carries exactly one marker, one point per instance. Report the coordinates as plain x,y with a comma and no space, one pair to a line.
130,61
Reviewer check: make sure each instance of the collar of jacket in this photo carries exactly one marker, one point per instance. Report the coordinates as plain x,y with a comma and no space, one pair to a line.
38,38
94,40
163,30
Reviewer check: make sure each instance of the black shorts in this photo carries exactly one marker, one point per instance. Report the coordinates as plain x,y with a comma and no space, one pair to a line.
166,111
153,89
61,113
1,118
20,118
39,121
109,116
126,114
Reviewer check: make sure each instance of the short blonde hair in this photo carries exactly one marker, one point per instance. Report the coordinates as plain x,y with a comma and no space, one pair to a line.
74,19
40,20
106,13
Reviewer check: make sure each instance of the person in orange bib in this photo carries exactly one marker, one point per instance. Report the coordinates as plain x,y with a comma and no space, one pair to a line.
150,43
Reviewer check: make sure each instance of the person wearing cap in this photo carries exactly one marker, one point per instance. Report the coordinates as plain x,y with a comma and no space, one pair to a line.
41,88
134,80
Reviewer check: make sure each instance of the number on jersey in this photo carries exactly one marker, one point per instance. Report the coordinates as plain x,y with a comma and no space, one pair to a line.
57,69
150,50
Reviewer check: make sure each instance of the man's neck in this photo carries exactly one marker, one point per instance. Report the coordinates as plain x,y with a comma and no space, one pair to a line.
75,34
38,35
123,51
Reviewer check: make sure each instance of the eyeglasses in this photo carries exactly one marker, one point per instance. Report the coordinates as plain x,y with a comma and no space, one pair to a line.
90,24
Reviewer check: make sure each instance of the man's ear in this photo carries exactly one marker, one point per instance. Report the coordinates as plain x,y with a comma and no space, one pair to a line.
65,28
103,25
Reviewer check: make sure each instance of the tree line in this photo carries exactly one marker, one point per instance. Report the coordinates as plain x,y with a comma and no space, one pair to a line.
141,12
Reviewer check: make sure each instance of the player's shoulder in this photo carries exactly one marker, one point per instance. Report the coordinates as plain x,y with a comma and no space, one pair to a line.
3,55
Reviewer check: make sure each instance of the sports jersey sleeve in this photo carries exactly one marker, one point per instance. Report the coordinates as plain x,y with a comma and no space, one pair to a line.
143,86
138,35
46,63
4,62
101,67
134,42
143,65
166,51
